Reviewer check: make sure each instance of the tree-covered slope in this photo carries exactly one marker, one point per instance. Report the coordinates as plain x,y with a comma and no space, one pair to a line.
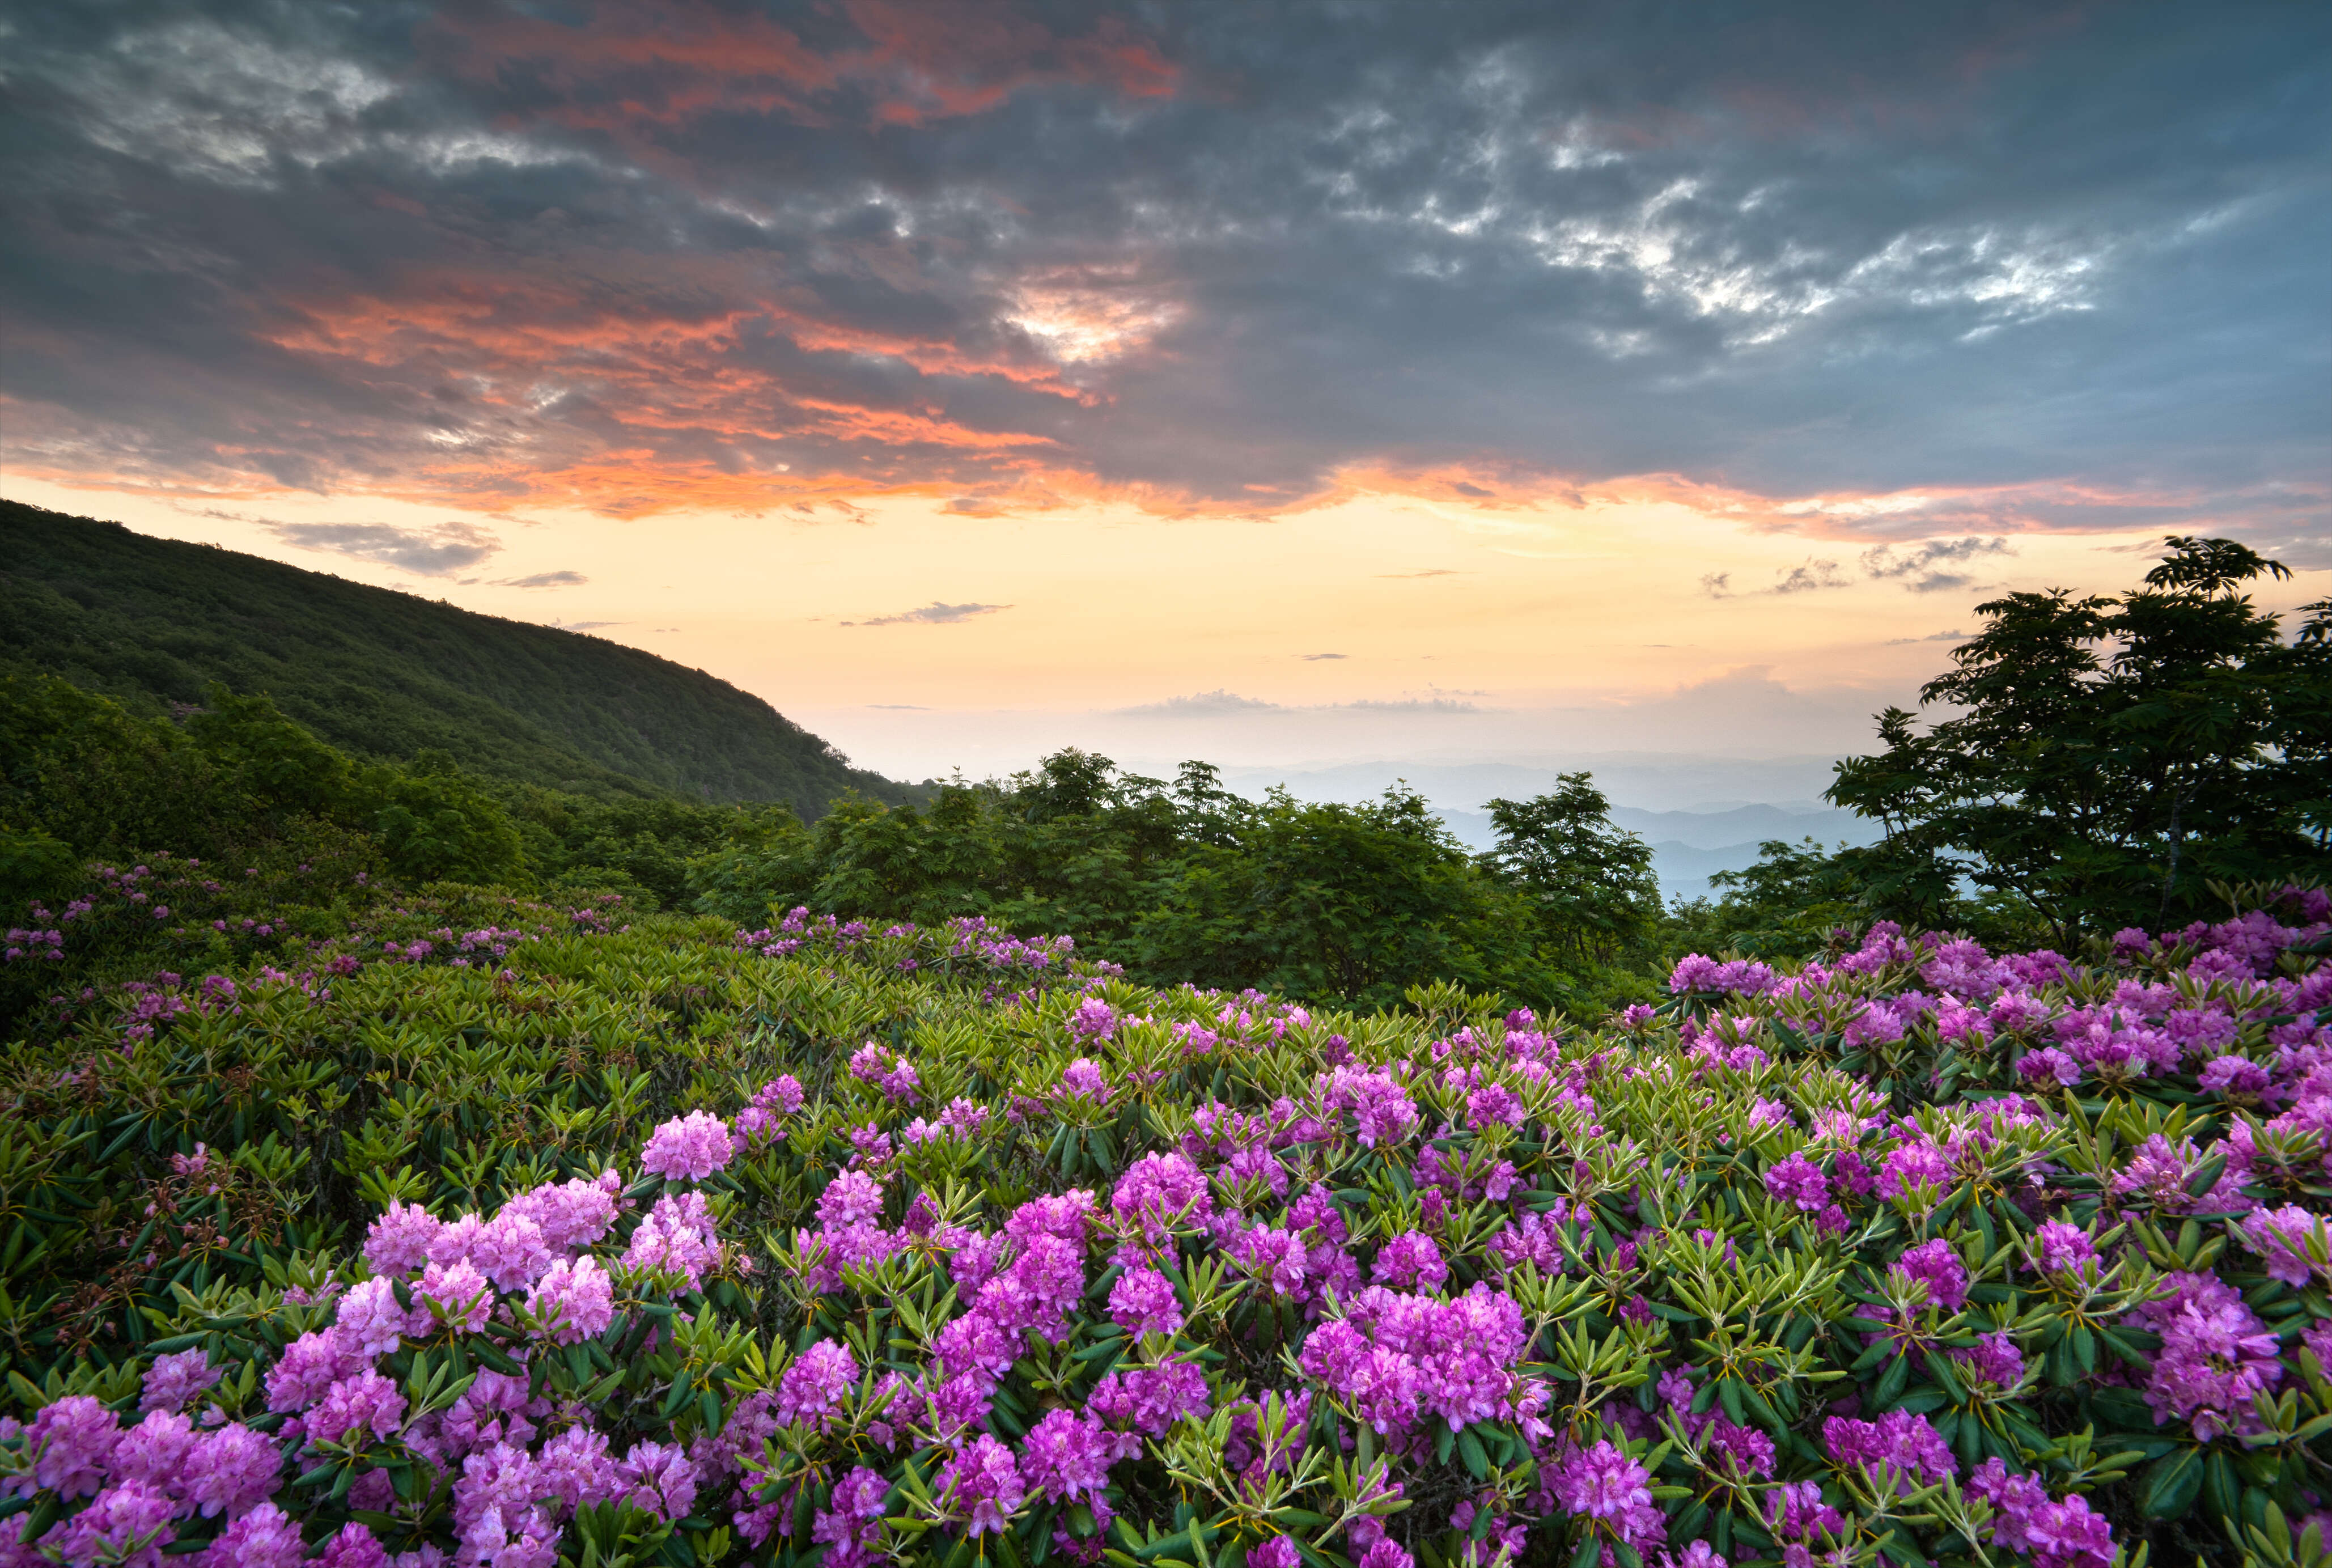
382,673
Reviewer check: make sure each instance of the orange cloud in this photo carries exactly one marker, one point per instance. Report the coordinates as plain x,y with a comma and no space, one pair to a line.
625,62
635,384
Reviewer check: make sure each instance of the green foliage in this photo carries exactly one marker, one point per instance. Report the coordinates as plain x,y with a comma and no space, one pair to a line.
1351,904
2110,757
382,675
1355,903
1786,905
1667,1226
1589,883
435,825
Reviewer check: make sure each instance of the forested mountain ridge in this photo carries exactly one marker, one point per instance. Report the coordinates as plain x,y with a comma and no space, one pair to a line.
387,675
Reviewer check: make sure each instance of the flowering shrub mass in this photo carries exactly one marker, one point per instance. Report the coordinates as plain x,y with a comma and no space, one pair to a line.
823,1243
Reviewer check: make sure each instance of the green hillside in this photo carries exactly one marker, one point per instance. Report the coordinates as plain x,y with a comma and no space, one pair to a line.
385,675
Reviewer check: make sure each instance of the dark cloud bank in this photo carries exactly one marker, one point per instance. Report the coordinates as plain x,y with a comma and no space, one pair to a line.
1209,254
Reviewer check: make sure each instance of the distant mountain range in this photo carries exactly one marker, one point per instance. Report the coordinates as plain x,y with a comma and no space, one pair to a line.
388,675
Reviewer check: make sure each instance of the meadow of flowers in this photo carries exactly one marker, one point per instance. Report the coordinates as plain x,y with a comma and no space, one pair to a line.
556,1240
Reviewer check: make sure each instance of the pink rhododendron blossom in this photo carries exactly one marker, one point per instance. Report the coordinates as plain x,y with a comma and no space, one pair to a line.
688,1148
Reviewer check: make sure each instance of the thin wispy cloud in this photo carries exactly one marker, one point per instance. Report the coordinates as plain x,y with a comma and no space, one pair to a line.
934,614
1929,568
543,579
1809,575
1220,703
1925,568
439,551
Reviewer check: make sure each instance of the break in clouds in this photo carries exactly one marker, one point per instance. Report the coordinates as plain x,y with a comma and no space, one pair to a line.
1873,273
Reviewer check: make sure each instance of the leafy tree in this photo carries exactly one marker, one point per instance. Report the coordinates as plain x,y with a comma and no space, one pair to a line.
1322,900
1589,884
80,770
2111,756
277,764
1784,907
435,825
1190,881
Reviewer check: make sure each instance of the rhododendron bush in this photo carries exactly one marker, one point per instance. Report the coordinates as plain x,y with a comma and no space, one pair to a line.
822,1244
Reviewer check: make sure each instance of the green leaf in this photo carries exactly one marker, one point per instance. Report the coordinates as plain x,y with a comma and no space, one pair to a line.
2171,1484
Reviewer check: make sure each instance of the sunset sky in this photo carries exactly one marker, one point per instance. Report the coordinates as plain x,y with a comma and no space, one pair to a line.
1282,383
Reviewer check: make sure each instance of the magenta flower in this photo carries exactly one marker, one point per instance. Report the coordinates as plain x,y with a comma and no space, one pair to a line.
852,1197
1494,1104
2234,1076
1410,1261
2060,1247
1995,1359
1695,972
1798,1180
1605,1485
72,1441
1275,1259
676,1237
981,1487
2295,1244
570,1214
1094,1021
1068,1456
1907,1443
354,1406
2055,1534
465,1297
660,1479
174,1378
308,1366
580,1295
127,1525
688,1148
1147,1400
1939,1265
369,1319
154,1451
398,1241
354,1547
2215,1355
510,1249
1143,1301
819,1379
1916,1164
233,1471
851,1529
575,1469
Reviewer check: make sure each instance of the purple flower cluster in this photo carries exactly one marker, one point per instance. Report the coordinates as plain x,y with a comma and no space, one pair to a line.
689,1148
2055,1534
1364,1203
888,1071
1908,1445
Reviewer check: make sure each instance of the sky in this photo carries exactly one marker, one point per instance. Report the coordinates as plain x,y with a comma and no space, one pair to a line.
1298,386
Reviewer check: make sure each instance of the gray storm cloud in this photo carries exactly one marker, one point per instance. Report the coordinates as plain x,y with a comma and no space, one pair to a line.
649,256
